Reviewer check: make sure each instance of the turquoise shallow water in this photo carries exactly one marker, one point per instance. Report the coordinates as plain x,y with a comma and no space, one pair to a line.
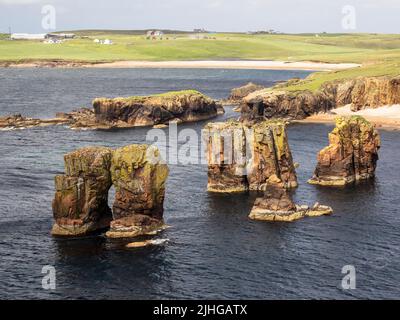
214,250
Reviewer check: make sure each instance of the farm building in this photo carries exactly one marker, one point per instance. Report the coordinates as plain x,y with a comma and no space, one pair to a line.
28,36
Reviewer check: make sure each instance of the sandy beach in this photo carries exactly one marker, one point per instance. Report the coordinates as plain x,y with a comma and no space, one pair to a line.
243,64
262,65
383,117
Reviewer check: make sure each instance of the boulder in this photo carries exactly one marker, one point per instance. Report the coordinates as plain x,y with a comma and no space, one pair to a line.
242,157
80,205
352,153
139,177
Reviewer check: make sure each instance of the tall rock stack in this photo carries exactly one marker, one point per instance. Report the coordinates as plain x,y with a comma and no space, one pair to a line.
271,155
352,153
139,179
80,204
226,154
243,157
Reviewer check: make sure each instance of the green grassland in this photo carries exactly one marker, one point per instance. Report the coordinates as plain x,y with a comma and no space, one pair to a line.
379,54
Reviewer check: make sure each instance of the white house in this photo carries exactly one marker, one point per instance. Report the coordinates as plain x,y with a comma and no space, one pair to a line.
28,36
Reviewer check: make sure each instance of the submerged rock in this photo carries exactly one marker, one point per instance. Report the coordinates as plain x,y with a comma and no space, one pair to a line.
17,121
242,157
277,205
80,205
360,93
146,243
352,153
139,179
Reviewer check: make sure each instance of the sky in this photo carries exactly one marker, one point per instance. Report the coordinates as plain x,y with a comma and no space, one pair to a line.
290,16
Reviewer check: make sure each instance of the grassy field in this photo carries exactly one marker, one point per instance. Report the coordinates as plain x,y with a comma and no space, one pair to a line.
379,54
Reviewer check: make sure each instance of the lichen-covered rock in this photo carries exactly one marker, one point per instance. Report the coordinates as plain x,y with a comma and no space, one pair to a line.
242,157
80,203
238,94
139,177
271,155
277,205
185,106
352,153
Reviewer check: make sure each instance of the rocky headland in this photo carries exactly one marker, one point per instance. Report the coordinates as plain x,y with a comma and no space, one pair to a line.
80,205
352,153
242,157
238,94
359,93
277,205
155,110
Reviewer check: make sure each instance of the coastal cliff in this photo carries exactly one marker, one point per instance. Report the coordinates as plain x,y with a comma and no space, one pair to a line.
242,157
80,204
352,153
360,93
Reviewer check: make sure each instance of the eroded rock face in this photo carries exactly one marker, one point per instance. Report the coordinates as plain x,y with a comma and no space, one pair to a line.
80,203
267,104
182,106
367,92
360,93
352,153
277,205
238,94
139,178
242,157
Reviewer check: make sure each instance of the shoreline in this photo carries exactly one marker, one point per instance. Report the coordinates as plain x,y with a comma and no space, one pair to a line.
206,64
385,117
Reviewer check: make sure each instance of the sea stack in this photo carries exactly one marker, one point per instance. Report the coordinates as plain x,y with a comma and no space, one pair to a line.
277,205
242,157
139,178
352,153
80,204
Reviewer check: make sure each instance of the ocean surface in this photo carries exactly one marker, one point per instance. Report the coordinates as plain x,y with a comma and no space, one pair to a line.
214,250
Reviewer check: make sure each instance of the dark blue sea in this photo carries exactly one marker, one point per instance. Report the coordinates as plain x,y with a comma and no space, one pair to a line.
214,250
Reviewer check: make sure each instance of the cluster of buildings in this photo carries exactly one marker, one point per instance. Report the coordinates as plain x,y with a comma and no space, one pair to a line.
154,34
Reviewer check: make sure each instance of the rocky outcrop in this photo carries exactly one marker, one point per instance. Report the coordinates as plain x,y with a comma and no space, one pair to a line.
80,204
242,157
139,179
352,153
277,205
157,110
268,104
181,106
17,121
237,94
360,93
